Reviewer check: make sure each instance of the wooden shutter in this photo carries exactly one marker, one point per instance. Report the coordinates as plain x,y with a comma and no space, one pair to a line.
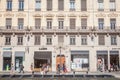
60,39
100,1
101,40
20,21
84,23
37,39
60,4
83,5
8,21
49,5
37,23
72,23
112,0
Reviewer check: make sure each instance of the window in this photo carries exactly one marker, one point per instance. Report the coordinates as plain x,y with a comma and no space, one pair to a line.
37,5
113,40
37,23
60,23
9,5
20,23
112,5
101,23
21,5
8,23
60,4
37,39
101,39
112,23
72,23
20,40
49,5
72,5
8,40
83,39
84,23
83,5
60,39
100,5
72,40
49,40
49,23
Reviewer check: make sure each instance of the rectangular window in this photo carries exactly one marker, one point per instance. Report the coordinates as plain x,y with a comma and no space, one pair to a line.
37,23
21,5
113,40
60,23
72,40
101,39
84,23
8,23
72,5
83,5
72,23
100,5
20,23
112,5
61,5
7,40
20,40
49,23
83,39
49,5
112,23
101,23
37,40
37,5
60,39
49,40
9,5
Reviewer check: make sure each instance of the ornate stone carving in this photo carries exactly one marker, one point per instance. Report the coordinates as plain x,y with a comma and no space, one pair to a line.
84,15
37,15
8,14
72,15
100,15
20,15
112,15
49,15
60,15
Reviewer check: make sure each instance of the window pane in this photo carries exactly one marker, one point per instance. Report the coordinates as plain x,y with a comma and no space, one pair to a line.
49,5
60,4
72,23
83,5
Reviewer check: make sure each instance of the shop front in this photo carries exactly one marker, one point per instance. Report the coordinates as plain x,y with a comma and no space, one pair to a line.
42,58
19,58
80,60
7,58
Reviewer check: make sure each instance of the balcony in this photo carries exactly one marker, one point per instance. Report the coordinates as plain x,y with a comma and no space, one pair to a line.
7,43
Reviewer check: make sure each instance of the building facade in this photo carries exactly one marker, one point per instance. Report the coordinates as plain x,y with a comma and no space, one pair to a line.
83,34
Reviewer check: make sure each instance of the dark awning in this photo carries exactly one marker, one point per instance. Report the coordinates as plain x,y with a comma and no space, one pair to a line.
42,55
103,52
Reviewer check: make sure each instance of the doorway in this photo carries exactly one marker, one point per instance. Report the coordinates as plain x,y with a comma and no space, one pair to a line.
6,63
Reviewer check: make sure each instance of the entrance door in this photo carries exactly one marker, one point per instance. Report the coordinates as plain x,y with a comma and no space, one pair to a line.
18,61
6,63
60,60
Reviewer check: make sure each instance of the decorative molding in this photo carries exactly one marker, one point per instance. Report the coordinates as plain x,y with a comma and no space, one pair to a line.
60,15
8,14
112,15
37,15
49,15
100,15
21,15
72,15
83,15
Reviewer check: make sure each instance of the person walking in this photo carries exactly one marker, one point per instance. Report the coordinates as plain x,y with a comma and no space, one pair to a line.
31,67
12,69
21,68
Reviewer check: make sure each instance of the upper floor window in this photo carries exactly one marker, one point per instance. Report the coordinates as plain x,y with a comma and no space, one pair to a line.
72,23
112,23
60,23
83,39
101,39
84,23
72,5
100,5
8,23
60,39
37,5
37,39
9,5
7,40
113,40
37,23
60,4
49,23
112,5
83,5
21,5
72,40
100,23
20,40
20,23
49,40
49,5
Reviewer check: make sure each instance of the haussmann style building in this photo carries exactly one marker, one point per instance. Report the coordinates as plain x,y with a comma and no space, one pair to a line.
83,34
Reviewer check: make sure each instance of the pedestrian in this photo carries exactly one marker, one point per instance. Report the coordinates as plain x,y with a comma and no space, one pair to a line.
12,69
21,68
31,67
58,68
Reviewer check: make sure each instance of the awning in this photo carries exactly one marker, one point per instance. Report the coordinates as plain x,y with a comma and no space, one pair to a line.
43,55
104,52
79,52
19,53
7,54
114,52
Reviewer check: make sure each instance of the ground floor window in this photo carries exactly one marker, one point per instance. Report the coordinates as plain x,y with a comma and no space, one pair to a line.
18,62
6,63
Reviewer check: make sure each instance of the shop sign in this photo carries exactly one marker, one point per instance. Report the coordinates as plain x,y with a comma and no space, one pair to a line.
115,48
42,48
7,48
